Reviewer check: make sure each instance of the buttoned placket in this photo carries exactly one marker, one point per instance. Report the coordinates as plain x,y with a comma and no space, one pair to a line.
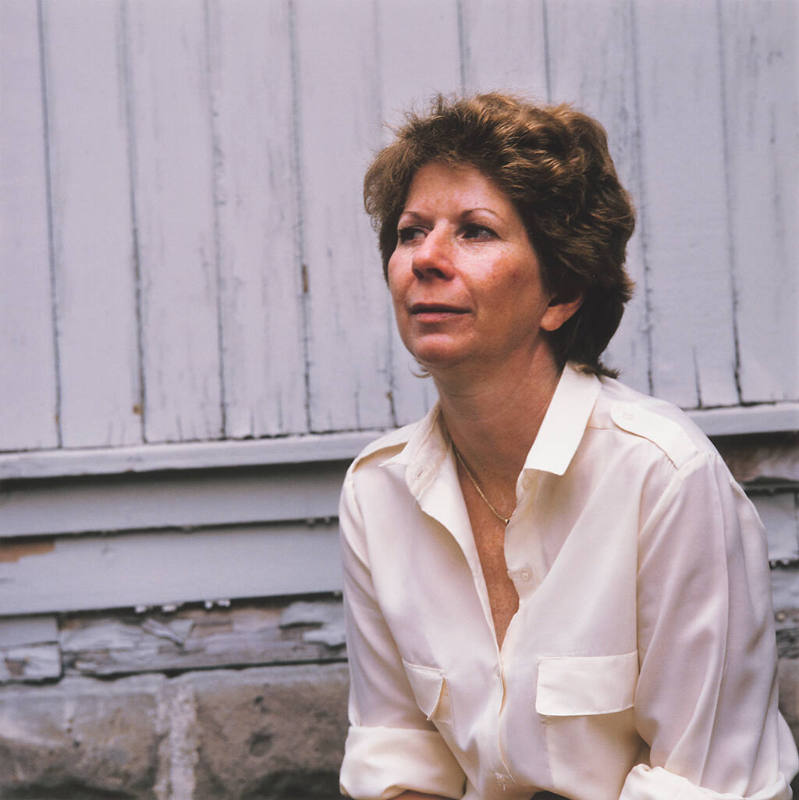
438,493
517,534
431,476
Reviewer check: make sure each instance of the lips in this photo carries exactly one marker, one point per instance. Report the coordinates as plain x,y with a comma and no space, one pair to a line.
424,309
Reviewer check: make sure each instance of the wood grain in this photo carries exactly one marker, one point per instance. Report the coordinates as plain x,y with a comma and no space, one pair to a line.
504,47
174,210
347,306
683,191
761,122
28,413
256,195
171,567
182,500
92,225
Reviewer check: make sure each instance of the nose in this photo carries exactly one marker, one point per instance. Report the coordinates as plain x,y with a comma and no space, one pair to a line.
433,258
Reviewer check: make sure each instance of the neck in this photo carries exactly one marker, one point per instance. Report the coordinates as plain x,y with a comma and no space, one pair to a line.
493,415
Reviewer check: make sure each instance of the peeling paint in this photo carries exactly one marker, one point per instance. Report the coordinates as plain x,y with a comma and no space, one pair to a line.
11,552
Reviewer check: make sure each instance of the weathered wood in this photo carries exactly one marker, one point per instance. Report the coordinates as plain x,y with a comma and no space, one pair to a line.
199,455
347,307
764,458
169,567
592,66
28,663
326,621
195,639
761,122
181,500
778,513
504,46
785,594
257,207
28,413
686,236
174,211
15,631
92,225
419,55
746,420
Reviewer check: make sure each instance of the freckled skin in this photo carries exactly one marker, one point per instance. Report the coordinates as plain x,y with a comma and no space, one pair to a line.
468,297
463,244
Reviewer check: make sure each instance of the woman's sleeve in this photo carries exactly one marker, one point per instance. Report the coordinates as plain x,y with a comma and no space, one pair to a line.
706,698
391,747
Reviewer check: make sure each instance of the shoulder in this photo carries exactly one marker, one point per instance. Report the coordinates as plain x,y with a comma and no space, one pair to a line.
661,425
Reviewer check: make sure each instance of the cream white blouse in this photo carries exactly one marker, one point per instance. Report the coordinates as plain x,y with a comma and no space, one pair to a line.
641,661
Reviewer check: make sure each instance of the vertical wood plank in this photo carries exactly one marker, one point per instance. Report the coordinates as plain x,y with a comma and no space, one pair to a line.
92,236
419,53
263,352
347,306
761,92
27,357
504,46
174,212
592,66
683,193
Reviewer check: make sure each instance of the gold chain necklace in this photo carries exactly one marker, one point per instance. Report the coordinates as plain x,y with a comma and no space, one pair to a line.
476,485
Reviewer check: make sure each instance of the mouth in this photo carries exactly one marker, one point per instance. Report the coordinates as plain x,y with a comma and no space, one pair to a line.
429,309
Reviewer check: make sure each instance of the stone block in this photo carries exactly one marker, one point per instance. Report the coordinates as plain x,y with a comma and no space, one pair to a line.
80,740
266,733
274,733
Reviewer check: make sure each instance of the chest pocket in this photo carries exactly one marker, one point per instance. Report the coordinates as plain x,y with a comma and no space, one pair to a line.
430,690
582,685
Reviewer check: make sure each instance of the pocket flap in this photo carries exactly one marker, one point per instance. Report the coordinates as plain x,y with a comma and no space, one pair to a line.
429,686
578,685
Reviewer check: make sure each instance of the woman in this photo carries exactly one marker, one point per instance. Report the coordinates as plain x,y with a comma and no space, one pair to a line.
553,585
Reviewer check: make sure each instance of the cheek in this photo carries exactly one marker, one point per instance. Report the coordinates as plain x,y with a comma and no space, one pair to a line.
394,278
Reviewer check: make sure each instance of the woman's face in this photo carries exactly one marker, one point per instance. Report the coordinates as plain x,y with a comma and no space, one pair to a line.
464,277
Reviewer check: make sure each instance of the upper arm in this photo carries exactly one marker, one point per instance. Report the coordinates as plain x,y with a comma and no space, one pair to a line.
706,699
391,745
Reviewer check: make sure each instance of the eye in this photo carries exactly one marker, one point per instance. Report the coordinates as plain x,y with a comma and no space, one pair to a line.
409,234
479,232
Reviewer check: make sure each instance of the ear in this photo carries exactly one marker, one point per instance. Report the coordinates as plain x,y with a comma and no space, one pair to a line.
560,311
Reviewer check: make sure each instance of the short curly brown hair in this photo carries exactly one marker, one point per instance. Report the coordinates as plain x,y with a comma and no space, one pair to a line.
553,163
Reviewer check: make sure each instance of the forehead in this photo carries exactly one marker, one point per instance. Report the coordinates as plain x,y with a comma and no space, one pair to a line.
437,183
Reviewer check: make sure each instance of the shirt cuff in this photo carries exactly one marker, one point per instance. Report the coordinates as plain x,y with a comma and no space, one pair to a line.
380,763
656,783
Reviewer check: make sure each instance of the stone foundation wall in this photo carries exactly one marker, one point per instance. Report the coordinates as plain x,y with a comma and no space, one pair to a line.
264,733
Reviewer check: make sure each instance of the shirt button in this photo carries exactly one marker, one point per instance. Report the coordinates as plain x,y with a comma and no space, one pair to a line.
525,574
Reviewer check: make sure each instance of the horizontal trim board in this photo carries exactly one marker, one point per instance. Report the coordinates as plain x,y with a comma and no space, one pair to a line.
764,418
17,631
108,503
79,573
198,455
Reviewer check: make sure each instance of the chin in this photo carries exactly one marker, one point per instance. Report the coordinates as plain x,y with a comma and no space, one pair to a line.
436,358
438,350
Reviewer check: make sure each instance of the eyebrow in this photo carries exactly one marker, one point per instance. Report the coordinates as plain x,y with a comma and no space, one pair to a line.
465,213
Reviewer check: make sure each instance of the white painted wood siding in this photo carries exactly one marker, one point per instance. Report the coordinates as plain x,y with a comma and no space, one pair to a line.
183,253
